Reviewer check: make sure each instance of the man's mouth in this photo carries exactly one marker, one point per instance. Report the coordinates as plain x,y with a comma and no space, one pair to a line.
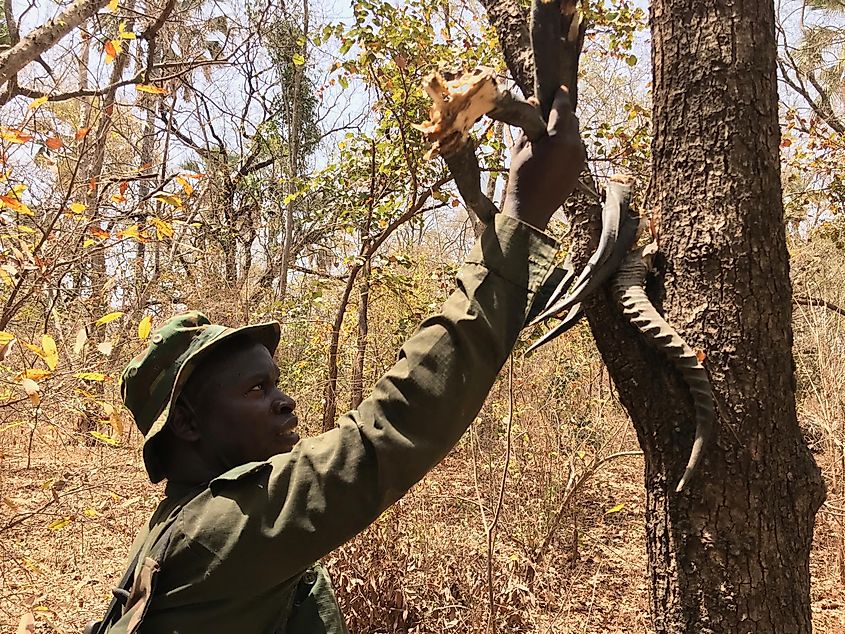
287,432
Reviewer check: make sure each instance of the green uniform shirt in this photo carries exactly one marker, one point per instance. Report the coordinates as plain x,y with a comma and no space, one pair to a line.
242,542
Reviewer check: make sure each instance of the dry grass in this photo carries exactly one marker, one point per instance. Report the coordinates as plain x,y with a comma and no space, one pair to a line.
568,550
423,566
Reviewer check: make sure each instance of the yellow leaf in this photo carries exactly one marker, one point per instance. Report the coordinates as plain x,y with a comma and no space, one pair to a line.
77,208
186,186
34,373
153,90
31,388
90,376
112,6
37,103
13,135
6,337
14,203
105,319
59,524
90,513
616,508
51,353
12,425
31,565
130,232
6,278
103,438
169,199
163,228
123,33
24,229
144,327
118,198
33,348
87,243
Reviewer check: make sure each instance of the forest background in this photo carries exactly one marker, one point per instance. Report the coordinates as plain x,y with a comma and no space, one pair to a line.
257,160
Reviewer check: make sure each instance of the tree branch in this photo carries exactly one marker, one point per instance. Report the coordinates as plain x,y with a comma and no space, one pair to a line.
806,300
45,36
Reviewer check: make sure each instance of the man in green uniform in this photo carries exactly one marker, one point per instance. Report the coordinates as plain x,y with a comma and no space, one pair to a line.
249,507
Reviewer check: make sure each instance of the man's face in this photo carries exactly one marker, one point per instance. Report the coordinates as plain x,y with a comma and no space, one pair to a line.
243,416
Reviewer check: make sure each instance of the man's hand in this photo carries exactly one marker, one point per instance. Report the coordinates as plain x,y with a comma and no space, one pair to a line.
544,173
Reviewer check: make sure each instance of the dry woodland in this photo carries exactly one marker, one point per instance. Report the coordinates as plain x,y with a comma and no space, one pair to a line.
255,160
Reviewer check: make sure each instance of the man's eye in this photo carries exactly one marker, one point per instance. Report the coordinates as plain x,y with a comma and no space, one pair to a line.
258,387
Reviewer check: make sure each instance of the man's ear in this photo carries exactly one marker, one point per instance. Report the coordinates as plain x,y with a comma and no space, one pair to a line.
183,424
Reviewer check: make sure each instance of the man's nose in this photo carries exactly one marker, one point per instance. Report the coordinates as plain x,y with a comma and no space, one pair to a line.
282,403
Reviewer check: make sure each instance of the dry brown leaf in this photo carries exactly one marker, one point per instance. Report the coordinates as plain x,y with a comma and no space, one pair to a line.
31,388
105,348
81,338
6,350
27,623
11,504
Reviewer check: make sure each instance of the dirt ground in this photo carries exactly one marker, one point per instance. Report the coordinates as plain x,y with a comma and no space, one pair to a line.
67,521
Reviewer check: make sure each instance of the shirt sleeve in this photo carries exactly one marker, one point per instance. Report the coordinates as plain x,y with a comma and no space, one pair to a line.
265,522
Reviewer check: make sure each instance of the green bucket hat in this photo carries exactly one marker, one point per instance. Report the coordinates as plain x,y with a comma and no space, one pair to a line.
153,380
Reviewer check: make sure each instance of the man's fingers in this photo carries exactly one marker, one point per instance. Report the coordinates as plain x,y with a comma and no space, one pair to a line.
561,117
520,142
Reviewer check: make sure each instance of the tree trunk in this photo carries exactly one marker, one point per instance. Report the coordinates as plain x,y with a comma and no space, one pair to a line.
97,274
732,553
357,391
142,282
294,112
330,392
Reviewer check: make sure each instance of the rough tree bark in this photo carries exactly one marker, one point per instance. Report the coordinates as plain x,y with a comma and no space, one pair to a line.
732,553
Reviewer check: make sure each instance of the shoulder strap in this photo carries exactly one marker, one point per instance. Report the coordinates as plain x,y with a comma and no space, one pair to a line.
121,591
155,546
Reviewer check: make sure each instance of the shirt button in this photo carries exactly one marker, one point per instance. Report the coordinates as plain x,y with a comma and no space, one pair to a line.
310,577
133,371
157,338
